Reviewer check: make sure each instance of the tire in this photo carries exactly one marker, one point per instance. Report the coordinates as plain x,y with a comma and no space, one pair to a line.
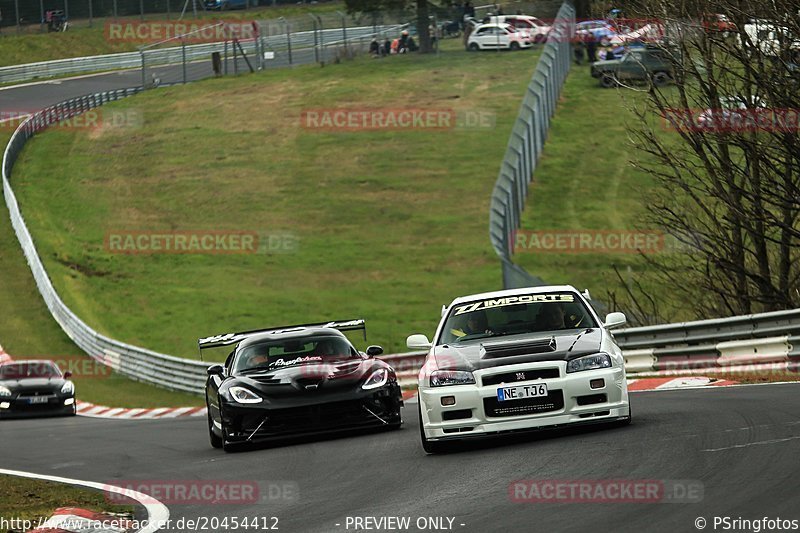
473,47
608,81
660,79
430,447
216,441
514,46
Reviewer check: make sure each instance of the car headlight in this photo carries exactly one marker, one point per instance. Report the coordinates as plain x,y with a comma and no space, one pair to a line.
4,391
589,362
442,378
68,388
376,379
243,395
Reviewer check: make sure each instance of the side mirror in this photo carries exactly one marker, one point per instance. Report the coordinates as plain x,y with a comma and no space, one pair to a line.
215,370
67,374
418,342
374,351
615,320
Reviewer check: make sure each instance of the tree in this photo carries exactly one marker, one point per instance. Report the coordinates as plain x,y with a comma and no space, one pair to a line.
421,7
729,179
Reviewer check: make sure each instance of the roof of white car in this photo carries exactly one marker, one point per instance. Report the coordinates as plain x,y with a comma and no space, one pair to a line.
514,292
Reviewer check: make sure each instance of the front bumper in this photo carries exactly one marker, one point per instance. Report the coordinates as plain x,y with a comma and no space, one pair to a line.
571,400
328,413
57,405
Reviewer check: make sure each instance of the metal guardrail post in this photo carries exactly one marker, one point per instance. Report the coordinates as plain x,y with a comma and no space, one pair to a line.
316,38
183,59
144,70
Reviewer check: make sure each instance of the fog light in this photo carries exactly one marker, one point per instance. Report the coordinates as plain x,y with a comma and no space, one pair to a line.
5,405
448,400
69,401
597,383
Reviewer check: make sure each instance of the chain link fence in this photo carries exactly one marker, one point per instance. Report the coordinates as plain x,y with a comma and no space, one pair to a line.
525,146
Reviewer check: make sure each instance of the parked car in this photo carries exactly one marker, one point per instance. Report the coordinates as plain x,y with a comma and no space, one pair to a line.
224,5
494,36
770,40
734,114
717,22
35,388
601,31
519,360
537,29
637,65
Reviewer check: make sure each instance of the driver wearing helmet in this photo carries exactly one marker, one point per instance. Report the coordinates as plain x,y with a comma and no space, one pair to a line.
475,323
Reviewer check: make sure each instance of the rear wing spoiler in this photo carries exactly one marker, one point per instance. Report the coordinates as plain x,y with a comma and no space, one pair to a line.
225,339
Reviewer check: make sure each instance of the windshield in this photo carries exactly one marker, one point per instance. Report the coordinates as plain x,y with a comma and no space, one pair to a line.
272,355
511,315
38,369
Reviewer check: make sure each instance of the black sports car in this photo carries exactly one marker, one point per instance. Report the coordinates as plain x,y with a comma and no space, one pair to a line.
30,388
297,380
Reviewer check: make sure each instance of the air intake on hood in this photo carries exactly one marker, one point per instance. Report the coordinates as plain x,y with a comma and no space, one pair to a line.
506,349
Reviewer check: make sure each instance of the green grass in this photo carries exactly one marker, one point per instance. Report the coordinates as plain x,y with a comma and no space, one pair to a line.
33,499
391,224
585,181
80,40
27,330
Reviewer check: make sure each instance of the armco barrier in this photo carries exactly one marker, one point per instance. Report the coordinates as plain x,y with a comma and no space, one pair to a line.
301,41
525,145
140,364
750,342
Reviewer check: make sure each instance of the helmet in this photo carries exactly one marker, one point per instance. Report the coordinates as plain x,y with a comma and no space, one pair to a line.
405,32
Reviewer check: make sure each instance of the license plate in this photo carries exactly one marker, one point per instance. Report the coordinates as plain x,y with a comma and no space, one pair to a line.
522,391
38,399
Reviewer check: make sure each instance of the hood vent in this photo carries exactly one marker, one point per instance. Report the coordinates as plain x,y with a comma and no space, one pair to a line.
508,349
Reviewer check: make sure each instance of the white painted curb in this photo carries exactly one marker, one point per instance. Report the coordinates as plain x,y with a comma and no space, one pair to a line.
157,512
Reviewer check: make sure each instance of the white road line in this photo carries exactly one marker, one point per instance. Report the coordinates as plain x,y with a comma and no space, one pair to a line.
157,512
757,443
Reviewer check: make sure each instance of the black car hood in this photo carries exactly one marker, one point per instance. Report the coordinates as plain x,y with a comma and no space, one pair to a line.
33,384
311,377
499,351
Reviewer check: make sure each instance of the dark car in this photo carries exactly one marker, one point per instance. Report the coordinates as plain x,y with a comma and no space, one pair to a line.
31,388
637,65
296,381
224,5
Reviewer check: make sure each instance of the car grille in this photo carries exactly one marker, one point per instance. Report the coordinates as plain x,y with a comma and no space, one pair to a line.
522,375
554,401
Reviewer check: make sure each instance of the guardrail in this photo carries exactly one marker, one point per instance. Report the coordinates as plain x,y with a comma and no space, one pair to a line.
525,145
304,40
760,342
138,363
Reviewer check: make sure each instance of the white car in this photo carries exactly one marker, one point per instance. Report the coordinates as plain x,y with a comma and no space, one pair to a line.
537,29
518,360
498,36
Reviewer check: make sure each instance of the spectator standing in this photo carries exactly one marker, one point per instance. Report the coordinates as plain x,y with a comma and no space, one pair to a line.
591,47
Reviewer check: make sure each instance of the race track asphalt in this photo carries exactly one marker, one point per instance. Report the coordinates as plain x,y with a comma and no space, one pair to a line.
740,443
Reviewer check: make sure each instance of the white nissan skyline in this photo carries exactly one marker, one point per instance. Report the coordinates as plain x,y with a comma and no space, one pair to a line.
517,360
